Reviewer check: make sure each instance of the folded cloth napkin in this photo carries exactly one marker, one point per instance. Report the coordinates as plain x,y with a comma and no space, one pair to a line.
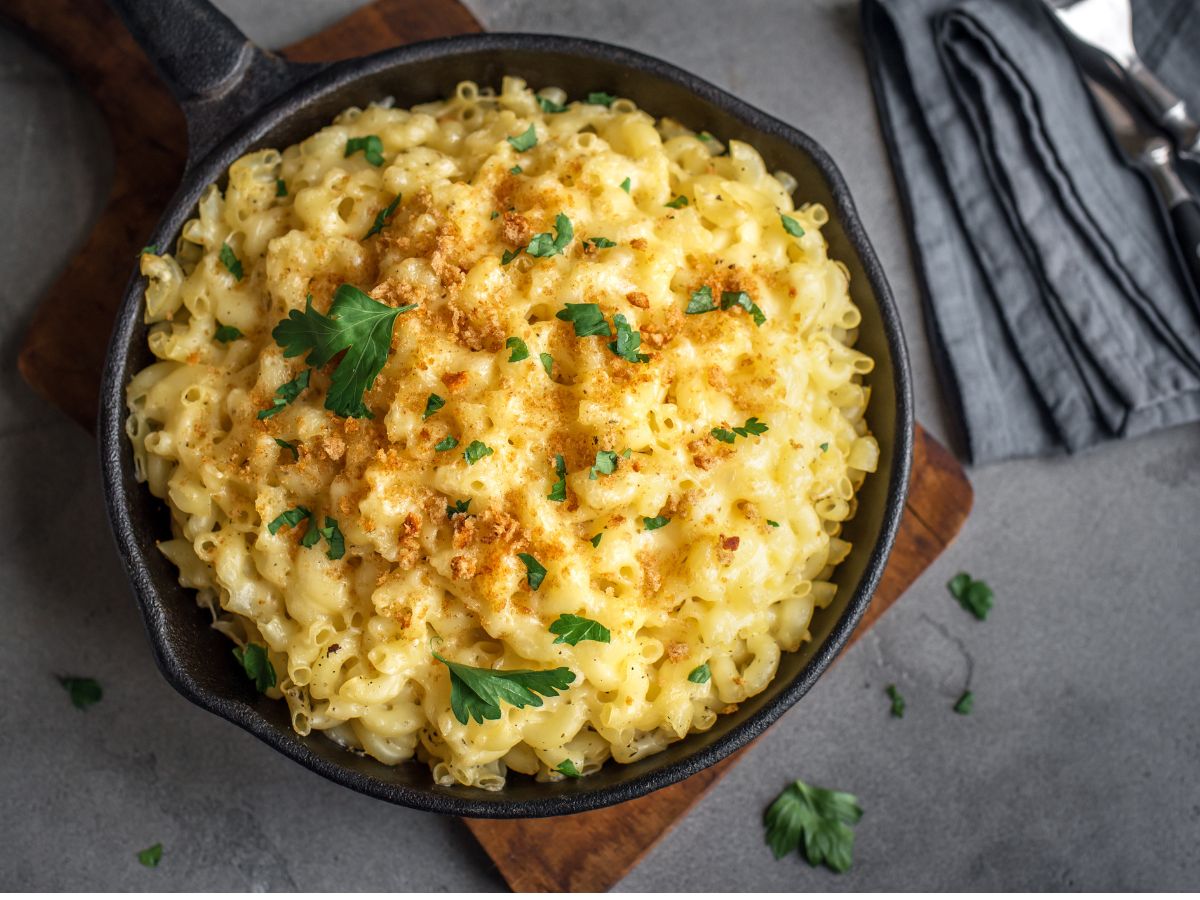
1056,305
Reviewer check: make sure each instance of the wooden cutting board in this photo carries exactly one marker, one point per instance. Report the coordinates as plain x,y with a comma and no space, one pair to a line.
62,360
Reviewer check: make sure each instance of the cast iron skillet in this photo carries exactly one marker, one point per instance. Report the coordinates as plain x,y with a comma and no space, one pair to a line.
238,98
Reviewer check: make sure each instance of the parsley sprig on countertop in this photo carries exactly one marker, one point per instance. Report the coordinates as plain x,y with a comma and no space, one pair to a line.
476,693
975,596
817,822
83,691
356,324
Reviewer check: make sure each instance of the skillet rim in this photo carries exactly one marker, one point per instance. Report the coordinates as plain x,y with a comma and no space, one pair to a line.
111,434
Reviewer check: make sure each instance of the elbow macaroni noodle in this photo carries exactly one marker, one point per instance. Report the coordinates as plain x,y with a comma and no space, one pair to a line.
730,581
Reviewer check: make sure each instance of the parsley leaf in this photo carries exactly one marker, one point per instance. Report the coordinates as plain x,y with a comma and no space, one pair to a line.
772,523
357,324
791,226
600,98
724,435
527,140
627,342
449,442
476,693
595,539
655,523
701,301
573,629
371,147
495,214
705,136
288,445
476,450
312,534
333,537
897,701
280,187
152,249
626,185
254,659
151,856
700,675
83,691
965,704
227,333
286,393
751,426
824,446
547,362
742,299
518,348
549,106
459,508
231,262
383,217
432,405
509,255
820,817
606,464
679,202
545,245
515,170
975,596
602,242
567,767
535,572
289,517
587,318
558,492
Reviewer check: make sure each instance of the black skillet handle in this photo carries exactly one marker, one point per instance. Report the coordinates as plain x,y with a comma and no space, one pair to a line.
1185,219
218,75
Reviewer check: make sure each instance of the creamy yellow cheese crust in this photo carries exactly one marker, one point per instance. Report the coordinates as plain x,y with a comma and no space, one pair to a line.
732,579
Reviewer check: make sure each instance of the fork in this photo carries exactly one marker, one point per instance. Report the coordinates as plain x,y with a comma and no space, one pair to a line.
1104,30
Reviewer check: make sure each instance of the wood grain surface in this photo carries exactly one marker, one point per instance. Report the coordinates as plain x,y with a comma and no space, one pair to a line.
62,360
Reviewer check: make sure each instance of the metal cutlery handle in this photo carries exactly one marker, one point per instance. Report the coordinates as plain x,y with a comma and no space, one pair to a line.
1167,108
1185,217
1182,207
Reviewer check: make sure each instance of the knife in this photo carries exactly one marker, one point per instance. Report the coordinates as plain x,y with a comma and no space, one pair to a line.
1149,152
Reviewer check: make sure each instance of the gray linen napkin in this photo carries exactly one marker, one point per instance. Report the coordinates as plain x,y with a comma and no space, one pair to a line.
1056,305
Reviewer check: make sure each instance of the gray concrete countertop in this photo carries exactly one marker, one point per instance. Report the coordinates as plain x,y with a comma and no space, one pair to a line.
1078,768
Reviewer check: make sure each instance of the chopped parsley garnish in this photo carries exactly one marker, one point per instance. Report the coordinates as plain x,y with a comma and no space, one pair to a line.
742,299
495,214
701,301
897,701
545,244
449,442
572,629
289,518
558,491
334,538
724,435
626,453
655,522
547,362
965,704
476,693
459,508
600,98
626,185
83,691
280,187
606,464
700,675
312,534
227,333
151,856
587,319
527,140
824,446
772,523
371,147
286,393
567,767
515,170
509,255
602,243
535,572
705,136
518,348
152,249
975,596
288,445
627,342
357,324
231,262
791,226
549,106
254,659
476,450
383,217
596,538
679,202
751,427
432,405
815,821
